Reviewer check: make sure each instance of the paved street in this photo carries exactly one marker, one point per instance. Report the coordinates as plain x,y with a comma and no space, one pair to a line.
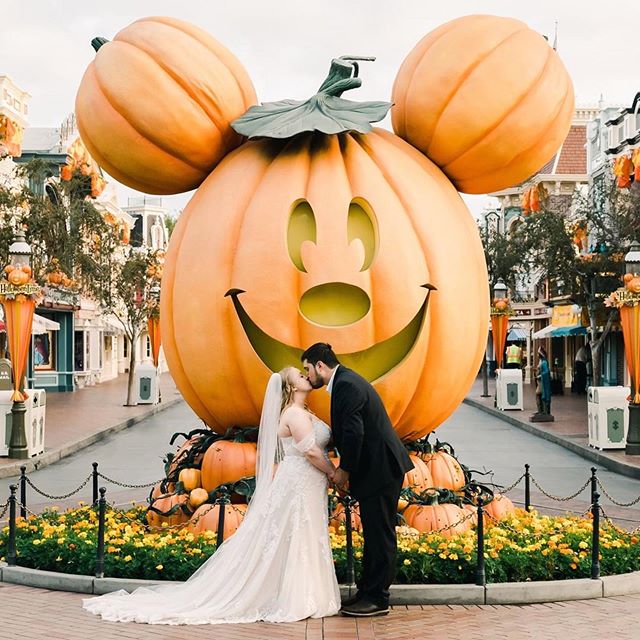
482,442
36,613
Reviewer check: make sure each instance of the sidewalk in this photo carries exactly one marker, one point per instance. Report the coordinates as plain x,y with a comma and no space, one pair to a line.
75,420
569,430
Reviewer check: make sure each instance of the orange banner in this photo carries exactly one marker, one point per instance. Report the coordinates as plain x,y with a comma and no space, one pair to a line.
630,317
18,318
153,327
499,328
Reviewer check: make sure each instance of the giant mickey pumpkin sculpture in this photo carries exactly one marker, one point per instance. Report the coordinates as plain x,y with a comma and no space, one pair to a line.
324,229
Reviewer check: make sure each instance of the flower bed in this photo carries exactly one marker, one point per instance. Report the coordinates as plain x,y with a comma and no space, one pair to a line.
524,546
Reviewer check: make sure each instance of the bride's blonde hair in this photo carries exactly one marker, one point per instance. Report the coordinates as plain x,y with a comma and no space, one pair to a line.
287,388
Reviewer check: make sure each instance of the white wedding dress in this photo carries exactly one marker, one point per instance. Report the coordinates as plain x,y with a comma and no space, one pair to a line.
277,567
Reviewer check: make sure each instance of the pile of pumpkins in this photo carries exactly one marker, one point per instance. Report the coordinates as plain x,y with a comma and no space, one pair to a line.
437,493
194,474
57,277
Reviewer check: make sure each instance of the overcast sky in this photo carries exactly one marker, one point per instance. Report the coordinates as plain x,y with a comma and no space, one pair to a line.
287,45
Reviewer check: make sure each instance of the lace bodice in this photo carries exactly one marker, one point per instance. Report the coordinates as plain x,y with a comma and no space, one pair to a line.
320,436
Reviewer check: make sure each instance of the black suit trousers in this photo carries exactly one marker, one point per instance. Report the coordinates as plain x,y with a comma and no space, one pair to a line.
378,515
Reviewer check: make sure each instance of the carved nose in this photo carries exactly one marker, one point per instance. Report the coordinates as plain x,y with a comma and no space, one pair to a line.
334,304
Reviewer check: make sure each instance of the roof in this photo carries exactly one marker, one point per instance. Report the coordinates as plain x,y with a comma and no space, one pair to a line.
42,140
571,158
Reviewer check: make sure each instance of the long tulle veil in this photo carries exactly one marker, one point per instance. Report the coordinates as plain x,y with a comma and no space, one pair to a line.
269,446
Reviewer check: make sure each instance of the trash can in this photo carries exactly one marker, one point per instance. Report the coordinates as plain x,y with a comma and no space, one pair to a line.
146,384
608,417
509,389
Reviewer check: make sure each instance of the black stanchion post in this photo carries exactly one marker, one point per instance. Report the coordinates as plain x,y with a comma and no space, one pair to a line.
102,509
94,474
594,483
11,545
223,501
351,574
595,538
527,488
481,578
23,491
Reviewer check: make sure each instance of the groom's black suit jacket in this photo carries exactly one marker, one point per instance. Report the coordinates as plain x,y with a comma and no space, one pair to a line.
370,449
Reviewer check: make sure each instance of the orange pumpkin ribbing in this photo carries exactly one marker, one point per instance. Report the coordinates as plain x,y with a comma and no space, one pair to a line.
486,98
154,108
226,462
235,229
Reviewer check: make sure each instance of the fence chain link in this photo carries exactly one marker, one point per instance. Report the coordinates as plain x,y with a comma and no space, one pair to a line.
619,504
4,509
558,499
129,486
512,486
66,495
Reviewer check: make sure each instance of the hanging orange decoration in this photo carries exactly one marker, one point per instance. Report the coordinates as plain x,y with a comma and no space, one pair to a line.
153,329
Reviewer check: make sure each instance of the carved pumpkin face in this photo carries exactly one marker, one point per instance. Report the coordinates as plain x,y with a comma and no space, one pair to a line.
326,238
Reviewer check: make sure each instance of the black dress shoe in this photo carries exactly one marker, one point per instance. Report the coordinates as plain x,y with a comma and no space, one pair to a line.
364,609
347,602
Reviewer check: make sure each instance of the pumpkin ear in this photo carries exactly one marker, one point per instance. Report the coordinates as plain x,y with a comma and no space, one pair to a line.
486,99
153,133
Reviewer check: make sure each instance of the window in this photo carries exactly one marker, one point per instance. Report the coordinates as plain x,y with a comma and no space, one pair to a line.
78,351
44,355
148,349
125,347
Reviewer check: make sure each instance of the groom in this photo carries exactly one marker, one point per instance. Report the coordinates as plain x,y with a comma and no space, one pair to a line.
373,462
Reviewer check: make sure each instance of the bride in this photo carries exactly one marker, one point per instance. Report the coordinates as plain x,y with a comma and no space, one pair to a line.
278,566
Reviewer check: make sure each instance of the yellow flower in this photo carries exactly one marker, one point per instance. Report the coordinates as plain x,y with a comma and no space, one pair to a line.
407,562
127,558
36,542
159,567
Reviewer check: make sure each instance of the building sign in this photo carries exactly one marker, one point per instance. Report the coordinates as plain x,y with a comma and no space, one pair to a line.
566,315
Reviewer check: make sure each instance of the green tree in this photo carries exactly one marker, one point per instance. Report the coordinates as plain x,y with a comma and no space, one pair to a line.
132,296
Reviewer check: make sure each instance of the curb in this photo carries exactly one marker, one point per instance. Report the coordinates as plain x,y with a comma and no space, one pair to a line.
583,451
49,457
401,594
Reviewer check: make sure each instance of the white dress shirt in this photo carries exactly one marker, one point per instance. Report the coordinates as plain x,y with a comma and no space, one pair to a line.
330,385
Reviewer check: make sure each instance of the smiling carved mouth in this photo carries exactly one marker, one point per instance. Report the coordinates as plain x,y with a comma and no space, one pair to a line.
371,363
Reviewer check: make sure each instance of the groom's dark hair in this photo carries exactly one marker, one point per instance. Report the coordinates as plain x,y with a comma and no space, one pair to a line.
320,352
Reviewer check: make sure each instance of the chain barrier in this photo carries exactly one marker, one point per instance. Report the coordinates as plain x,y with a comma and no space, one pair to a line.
613,525
556,498
512,486
4,509
66,495
129,486
169,527
619,504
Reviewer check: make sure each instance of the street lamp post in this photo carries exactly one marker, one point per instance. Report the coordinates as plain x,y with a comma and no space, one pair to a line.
631,329
485,362
19,256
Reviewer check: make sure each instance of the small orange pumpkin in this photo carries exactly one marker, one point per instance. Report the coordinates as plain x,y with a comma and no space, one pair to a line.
632,285
225,462
445,470
197,497
485,98
55,277
419,478
18,277
205,518
499,508
432,517
339,518
190,479
170,508
154,108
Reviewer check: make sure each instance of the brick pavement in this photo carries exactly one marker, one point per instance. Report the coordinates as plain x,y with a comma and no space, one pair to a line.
55,615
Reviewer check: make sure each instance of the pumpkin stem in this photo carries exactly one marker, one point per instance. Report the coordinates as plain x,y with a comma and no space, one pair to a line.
325,112
96,43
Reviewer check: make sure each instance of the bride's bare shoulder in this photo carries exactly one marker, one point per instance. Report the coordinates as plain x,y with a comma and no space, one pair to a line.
295,414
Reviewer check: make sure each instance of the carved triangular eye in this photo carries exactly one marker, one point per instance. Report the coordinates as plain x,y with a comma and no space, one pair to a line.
302,227
362,224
